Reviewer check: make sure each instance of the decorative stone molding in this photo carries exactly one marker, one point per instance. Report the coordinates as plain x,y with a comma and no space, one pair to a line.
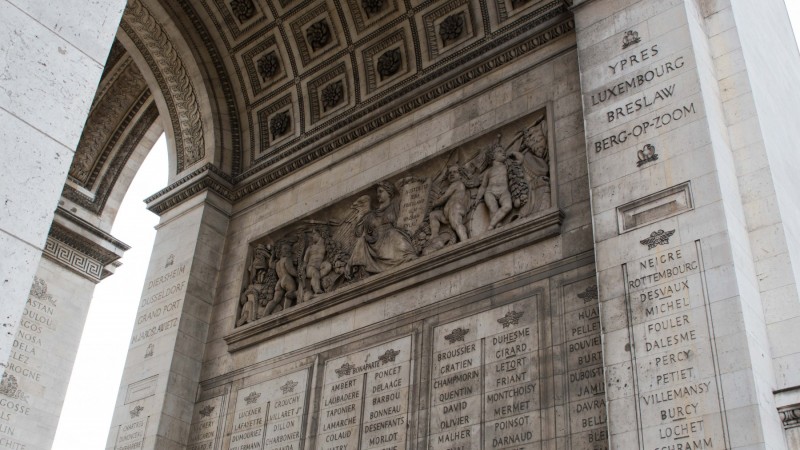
82,247
790,417
173,80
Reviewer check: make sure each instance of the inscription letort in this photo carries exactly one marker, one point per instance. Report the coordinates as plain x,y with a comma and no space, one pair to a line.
460,196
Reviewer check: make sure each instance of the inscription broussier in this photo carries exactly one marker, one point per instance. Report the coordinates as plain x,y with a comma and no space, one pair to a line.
485,385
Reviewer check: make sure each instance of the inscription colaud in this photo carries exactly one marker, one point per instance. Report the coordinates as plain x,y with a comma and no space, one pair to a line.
587,407
161,303
485,381
365,399
271,414
677,382
628,85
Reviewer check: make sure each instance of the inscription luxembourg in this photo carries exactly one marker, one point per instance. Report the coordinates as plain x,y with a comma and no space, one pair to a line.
365,399
587,407
677,381
485,387
275,418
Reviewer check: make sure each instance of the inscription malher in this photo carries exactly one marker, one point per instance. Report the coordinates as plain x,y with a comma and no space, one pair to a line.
485,387
678,384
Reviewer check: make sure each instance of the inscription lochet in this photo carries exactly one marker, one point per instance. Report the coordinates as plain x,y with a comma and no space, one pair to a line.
457,197
366,406
484,387
677,378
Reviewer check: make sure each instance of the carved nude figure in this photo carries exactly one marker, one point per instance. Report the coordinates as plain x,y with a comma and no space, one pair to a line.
316,265
286,287
248,302
260,264
456,203
494,187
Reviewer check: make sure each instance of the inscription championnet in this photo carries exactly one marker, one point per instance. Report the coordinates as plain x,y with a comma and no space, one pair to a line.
509,399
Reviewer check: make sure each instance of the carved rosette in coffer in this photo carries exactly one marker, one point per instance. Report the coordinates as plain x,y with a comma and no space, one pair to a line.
465,197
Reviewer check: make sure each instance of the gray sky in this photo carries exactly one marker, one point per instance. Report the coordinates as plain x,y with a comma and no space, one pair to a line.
86,417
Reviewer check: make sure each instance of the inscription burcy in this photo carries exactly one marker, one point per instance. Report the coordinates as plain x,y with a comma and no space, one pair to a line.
677,386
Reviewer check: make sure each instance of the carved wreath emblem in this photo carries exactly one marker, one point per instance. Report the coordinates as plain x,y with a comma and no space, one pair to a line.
657,238
332,95
136,411
243,9
279,124
252,397
267,66
589,294
456,335
389,63
511,318
318,35
207,410
289,387
389,356
372,6
451,28
630,38
345,370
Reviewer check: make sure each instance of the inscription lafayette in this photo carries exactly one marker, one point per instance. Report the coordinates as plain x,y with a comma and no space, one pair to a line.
485,384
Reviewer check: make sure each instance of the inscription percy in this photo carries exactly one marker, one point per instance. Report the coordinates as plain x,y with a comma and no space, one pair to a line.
271,415
485,381
364,401
677,381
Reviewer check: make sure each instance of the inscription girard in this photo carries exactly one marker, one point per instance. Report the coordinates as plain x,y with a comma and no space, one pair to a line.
486,386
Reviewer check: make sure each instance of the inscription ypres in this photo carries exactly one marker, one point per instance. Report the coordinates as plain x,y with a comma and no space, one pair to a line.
485,377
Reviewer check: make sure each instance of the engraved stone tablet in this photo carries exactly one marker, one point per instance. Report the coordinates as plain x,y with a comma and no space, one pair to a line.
204,433
130,435
365,398
414,193
271,415
484,381
677,381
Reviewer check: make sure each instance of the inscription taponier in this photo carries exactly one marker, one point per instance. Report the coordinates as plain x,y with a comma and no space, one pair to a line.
461,195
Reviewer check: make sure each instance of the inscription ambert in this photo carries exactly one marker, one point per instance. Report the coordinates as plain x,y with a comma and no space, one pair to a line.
485,387
677,381
365,399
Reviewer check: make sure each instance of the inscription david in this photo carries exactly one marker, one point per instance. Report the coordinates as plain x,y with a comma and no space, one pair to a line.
489,183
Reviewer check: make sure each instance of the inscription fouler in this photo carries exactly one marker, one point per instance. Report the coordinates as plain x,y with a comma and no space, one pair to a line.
484,387
364,400
276,419
677,381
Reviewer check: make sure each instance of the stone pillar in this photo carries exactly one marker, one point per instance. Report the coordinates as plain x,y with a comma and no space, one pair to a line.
34,382
686,352
159,382
51,58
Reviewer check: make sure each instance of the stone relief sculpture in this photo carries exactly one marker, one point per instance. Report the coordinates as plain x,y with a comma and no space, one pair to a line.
451,199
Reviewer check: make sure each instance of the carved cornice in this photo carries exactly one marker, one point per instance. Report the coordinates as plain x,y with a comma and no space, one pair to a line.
173,80
82,247
377,116
790,417
413,273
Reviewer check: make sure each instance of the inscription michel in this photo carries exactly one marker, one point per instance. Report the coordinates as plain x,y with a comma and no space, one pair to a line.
485,386
365,399
677,389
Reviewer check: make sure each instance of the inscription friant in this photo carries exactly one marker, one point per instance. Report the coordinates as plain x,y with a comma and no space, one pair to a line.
677,380
366,406
485,386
